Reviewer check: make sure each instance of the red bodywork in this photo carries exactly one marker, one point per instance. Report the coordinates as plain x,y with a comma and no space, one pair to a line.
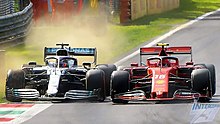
160,80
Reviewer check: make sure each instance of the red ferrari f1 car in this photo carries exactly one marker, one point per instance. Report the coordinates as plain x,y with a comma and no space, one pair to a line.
162,78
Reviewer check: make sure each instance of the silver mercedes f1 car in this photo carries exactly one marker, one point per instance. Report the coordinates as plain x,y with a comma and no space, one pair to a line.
61,77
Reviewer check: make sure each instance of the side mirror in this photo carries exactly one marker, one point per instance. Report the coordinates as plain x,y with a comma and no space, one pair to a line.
189,63
32,63
134,64
87,65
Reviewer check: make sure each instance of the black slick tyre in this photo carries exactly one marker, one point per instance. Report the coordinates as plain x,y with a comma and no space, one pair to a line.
211,69
201,82
95,80
108,69
119,84
15,80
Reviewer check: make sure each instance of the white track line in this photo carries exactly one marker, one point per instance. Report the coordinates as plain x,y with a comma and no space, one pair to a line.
165,36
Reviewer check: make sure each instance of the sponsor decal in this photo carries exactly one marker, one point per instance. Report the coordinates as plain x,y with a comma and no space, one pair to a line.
161,89
159,82
83,50
75,50
51,50
201,113
162,76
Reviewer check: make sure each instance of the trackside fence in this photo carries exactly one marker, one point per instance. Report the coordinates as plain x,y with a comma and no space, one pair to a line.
134,9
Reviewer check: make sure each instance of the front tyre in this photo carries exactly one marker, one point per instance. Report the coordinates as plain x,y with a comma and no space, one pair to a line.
108,69
201,83
119,84
211,69
95,80
15,80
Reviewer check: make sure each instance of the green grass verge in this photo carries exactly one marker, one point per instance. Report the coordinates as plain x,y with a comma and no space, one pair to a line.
2,93
126,37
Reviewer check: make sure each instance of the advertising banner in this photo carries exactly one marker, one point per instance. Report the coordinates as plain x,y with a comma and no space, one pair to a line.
141,8
158,6
203,113
138,8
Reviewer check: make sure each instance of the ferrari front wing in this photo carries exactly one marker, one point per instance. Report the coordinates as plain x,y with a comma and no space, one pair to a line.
140,95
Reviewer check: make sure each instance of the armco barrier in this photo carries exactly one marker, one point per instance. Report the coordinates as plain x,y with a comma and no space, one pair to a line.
6,7
16,25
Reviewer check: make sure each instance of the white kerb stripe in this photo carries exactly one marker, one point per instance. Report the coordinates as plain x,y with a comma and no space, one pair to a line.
37,108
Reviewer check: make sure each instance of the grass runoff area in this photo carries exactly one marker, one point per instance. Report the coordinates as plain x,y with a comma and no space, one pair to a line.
135,33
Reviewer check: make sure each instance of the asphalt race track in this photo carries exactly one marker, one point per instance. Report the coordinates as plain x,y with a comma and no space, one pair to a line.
203,36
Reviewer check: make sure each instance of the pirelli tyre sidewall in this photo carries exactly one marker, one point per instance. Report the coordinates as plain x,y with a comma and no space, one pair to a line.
119,84
15,80
211,69
201,81
95,80
108,69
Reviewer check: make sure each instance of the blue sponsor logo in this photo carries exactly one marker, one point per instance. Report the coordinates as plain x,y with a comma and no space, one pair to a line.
52,50
201,113
197,106
83,50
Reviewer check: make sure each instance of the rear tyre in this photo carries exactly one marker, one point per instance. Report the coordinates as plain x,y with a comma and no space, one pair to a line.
15,80
108,69
119,84
211,69
95,80
201,83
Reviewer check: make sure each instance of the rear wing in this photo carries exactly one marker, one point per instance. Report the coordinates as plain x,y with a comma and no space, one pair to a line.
167,50
72,52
